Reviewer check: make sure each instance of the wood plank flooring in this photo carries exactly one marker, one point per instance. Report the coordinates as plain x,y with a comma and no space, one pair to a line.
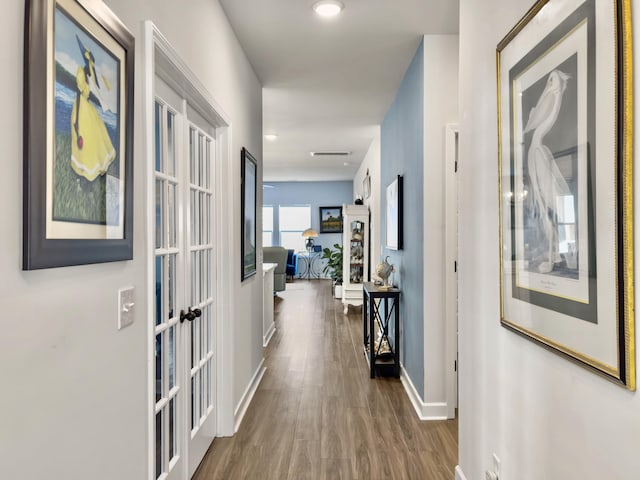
318,415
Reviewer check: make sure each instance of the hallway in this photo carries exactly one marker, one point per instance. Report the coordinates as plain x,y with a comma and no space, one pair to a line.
317,415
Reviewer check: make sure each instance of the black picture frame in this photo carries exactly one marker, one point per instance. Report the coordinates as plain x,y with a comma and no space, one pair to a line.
566,233
330,219
249,173
394,217
77,186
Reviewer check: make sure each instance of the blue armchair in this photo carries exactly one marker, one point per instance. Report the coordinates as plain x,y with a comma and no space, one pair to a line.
292,264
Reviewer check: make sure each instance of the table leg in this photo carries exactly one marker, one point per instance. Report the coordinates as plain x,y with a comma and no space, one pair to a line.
396,306
372,353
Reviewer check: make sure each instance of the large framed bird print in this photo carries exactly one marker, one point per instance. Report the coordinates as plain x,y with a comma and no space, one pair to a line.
78,135
565,182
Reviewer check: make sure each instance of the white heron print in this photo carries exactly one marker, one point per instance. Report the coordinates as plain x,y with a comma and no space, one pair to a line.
546,180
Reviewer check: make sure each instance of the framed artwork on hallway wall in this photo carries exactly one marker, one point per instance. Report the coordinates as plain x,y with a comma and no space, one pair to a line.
249,169
330,219
394,226
78,135
565,147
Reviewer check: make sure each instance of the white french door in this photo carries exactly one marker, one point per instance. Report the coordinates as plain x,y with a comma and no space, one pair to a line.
201,368
184,260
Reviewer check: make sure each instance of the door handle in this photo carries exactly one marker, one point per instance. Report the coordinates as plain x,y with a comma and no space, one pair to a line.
190,315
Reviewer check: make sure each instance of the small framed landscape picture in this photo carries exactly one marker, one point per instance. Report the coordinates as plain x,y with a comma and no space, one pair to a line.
330,219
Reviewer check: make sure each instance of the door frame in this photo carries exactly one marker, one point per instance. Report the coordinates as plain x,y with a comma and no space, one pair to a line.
159,58
451,275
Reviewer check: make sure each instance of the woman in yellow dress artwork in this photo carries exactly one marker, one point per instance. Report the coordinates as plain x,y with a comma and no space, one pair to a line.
91,149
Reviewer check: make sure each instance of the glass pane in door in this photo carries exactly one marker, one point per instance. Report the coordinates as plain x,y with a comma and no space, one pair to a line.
159,293
159,449
159,365
172,428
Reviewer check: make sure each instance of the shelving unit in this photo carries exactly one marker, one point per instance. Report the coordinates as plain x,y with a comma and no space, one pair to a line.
355,263
381,306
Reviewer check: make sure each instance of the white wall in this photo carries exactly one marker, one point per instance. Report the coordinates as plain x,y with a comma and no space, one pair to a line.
73,387
371,162
545,417
440,108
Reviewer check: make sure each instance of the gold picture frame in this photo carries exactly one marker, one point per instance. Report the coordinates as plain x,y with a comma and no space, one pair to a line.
565,129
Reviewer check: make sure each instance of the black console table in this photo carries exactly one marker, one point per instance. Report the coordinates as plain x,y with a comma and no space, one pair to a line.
381,305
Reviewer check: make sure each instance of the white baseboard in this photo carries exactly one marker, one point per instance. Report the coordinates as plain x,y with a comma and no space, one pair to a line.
425,411
267,337
459,473
247,396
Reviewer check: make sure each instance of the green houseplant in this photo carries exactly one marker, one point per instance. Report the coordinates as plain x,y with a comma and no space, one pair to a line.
333,267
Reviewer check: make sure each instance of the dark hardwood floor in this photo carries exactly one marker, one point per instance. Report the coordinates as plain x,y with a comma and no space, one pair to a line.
318,415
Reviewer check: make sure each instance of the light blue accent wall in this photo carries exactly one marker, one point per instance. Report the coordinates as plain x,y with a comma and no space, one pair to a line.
402,152
316,194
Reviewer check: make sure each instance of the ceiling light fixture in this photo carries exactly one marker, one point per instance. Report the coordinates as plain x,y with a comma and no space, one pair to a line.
328,8
272,137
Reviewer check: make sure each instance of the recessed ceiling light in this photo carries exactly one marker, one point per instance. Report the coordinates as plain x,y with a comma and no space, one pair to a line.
272,137
328,8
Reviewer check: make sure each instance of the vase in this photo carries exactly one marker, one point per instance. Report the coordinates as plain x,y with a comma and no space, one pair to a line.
383,270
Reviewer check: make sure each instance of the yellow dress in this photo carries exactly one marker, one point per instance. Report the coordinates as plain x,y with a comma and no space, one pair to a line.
92,155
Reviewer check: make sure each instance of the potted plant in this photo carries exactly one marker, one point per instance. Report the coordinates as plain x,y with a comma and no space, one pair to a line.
333,267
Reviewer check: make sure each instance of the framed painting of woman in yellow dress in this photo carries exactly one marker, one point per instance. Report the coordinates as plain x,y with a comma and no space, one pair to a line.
78,135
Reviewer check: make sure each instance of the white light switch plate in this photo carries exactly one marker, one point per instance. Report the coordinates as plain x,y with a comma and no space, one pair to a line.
126,306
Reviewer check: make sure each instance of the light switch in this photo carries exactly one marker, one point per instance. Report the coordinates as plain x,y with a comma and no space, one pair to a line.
126,306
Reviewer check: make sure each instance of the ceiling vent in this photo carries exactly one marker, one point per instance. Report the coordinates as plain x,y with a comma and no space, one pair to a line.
330,154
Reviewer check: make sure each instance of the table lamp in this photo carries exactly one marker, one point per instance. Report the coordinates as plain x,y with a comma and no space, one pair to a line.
309,234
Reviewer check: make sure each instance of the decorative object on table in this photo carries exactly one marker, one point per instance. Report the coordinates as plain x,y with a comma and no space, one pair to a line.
309,234
566,190
384,270
249,170
333,267
330,219
358,200
356,253
394,237
78,135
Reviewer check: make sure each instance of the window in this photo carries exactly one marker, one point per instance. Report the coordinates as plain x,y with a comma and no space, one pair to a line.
293,221
267,226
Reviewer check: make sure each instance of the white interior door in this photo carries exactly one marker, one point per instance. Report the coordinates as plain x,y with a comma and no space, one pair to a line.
451,276
200,287
184,314
169,267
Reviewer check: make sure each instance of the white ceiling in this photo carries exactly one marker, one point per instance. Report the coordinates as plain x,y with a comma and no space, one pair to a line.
329,82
